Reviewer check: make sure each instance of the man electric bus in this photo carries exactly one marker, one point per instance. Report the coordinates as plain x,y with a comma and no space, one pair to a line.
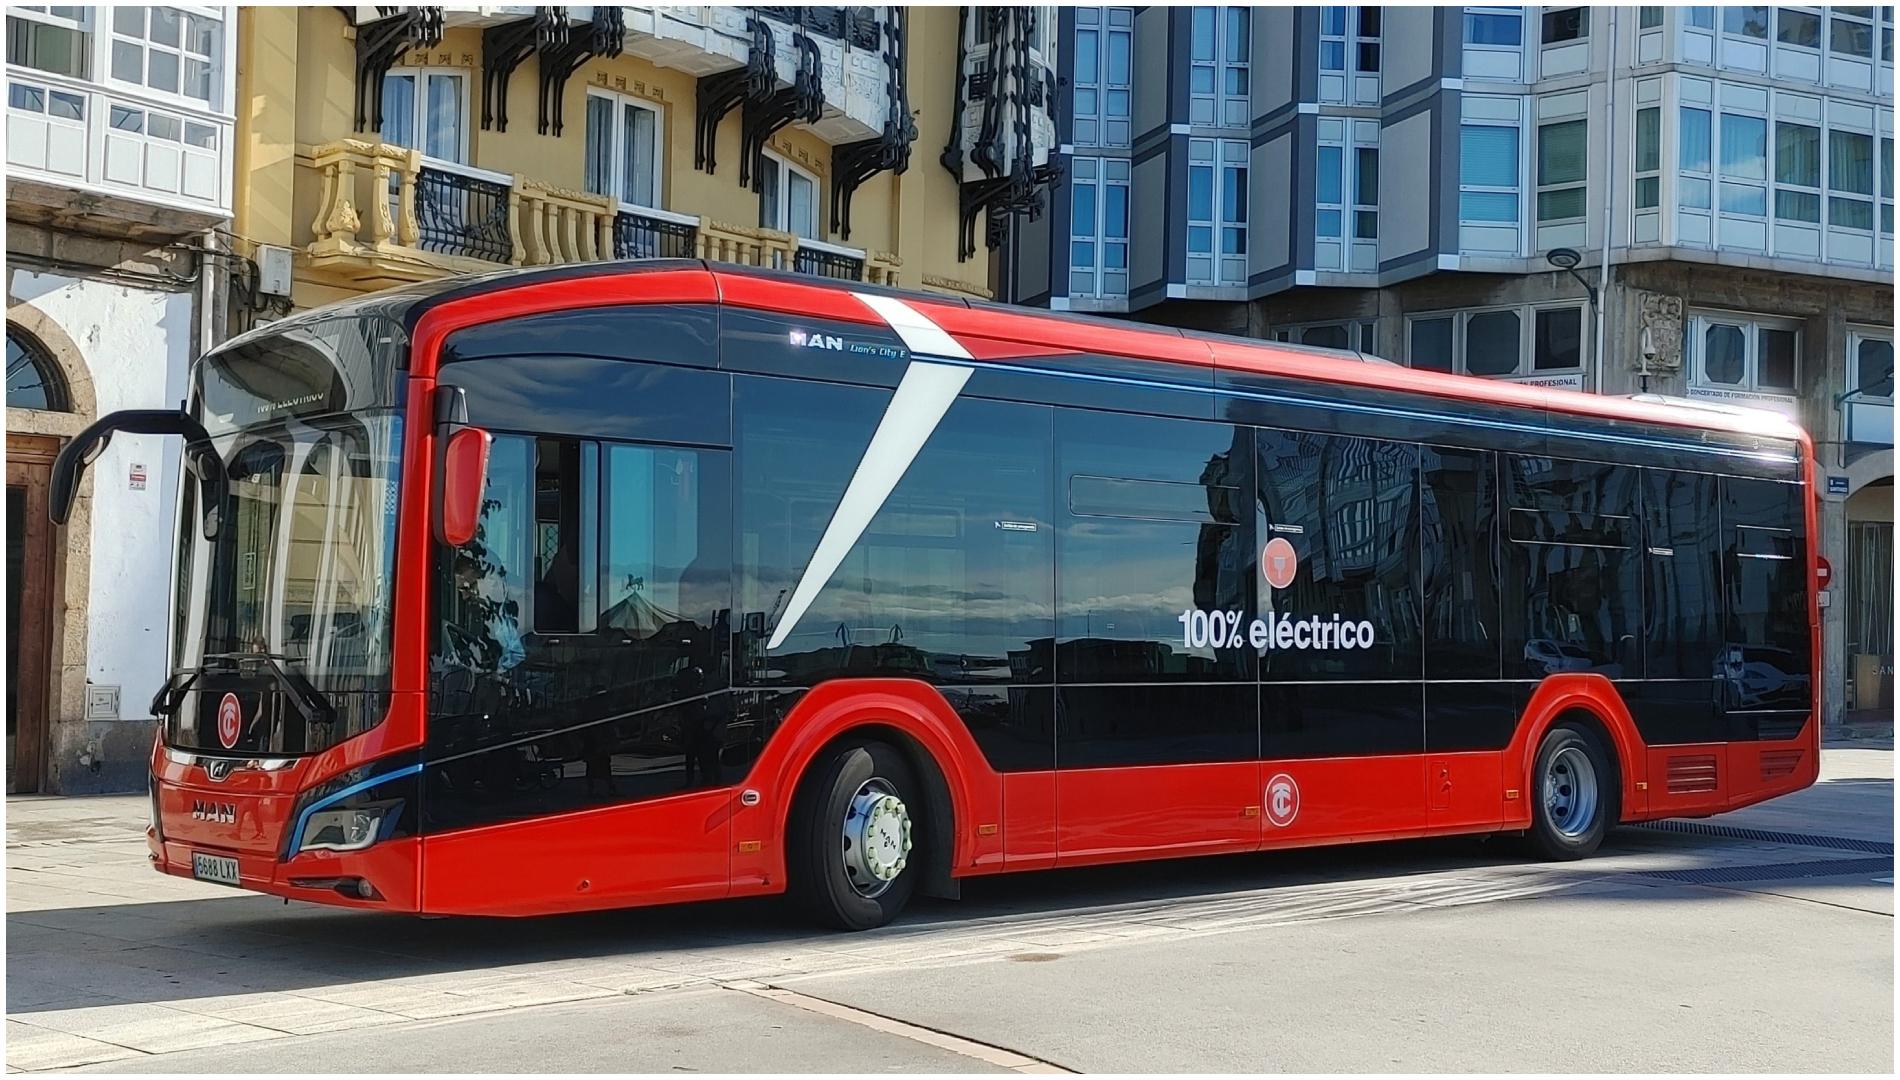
635,583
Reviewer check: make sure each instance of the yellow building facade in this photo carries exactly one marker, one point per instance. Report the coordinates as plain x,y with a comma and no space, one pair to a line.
440,186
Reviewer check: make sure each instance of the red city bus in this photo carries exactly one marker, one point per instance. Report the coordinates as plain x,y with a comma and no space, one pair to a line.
626,584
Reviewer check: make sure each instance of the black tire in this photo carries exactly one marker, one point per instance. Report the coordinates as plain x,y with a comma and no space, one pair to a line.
1548,837
815,845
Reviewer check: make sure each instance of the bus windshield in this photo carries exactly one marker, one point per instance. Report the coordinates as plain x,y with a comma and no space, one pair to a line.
289,598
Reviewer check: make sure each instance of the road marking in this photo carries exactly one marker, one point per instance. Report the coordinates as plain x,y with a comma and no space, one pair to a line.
956,1044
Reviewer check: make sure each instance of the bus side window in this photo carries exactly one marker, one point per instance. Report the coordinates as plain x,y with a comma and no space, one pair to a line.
557,536
1572,569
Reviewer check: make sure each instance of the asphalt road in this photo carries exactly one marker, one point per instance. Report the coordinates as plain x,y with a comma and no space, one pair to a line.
1671,951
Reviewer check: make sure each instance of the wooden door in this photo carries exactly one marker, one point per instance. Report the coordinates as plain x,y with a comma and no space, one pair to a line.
29,609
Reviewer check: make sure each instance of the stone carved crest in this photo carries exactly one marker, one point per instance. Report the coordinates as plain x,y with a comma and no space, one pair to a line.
1661,333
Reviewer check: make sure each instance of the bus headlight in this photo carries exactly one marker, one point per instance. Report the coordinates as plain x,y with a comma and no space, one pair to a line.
346,830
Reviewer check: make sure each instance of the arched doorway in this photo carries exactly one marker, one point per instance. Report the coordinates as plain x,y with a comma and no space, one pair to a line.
34,383
1868,596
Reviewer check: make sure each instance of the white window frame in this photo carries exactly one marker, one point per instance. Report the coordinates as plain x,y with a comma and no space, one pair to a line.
106,37
1702,179
1217,164
1871,198
1361,334
1515,191
1697,327
1095,173
1515,52
1110,23
1364,211
86,26
1883,161
617,153
1220,103
1817,191
1842,15
782,219
1726,15
1646,182
1350,39
1856,337
1723,179
1580,184
419,118
1818,14
1867,417
1526,368
1337,207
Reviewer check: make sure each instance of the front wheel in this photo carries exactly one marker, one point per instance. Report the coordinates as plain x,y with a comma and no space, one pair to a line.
849,849
1575,794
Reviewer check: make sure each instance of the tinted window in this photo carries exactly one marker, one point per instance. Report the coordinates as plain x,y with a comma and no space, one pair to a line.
582,658
951,580
1683,574
1152,529
1346,508
1457,515
1767,656
1571,576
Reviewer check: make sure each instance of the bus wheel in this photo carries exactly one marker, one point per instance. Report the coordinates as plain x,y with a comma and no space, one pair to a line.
849,847
1575,794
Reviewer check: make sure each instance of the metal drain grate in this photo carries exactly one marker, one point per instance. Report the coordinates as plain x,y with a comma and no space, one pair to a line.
1710,875
1732,832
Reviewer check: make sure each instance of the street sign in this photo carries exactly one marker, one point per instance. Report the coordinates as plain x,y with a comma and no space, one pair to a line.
1837,485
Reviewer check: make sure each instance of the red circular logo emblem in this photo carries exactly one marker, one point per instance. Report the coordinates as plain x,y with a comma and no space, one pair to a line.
1283,800
1278,561
230,721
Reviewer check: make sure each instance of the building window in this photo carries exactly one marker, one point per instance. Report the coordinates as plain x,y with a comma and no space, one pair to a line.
33,379
1329,187
1350,47
1222,41
788,197
1648,163
1745,22
1801,29
1566,24
1871,367
1217,212
623,148
1744,165
1358,335
1741,354
1850,172
1487,174
1365,193
1886,186
51,39
1562,162
1797,172
1494,43
1694,162
165,49
1098,230
1104,57
426,109
1494,28
1851,32
1500,343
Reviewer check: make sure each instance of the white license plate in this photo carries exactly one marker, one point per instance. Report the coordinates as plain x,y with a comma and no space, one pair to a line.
218,868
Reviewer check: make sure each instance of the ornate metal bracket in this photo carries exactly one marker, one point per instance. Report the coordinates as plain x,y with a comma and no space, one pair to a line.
716,95
952,156
1020,192
763,117
505,47
854,163
379,45
604,36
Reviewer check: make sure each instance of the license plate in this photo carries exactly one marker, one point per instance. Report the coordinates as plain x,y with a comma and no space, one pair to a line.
219,868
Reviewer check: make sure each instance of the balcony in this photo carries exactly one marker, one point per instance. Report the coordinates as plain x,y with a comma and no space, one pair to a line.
385,214
77,151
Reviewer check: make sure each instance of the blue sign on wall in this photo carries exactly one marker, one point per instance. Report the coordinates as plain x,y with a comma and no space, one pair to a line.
1837,485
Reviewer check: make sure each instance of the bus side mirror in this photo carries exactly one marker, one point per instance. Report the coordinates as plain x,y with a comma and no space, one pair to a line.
464,481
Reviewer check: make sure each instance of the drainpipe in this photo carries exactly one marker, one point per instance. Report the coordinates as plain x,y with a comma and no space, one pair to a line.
1609,194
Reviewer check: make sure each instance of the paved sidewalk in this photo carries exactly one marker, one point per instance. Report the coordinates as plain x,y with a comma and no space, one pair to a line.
111,964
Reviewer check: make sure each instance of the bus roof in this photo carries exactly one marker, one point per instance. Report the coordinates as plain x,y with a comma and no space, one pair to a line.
993,331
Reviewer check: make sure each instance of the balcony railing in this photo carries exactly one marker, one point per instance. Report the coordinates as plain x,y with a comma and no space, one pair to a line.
828,260
655,234
464,212
427,218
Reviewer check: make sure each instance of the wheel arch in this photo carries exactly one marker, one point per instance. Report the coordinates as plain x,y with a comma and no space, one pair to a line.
1590,699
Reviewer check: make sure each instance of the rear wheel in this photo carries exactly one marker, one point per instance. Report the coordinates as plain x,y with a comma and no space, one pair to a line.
848,852
1574,793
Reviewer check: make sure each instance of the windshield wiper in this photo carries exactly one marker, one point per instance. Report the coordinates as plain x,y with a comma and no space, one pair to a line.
309,701
172,693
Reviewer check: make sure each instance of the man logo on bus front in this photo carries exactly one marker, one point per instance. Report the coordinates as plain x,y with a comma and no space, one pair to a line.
1283,800
230,721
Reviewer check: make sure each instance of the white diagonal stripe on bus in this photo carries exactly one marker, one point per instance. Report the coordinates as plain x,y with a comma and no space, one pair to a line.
915,409
920,333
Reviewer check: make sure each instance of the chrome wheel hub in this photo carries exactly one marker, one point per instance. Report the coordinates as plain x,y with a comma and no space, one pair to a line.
876,837
1570,791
